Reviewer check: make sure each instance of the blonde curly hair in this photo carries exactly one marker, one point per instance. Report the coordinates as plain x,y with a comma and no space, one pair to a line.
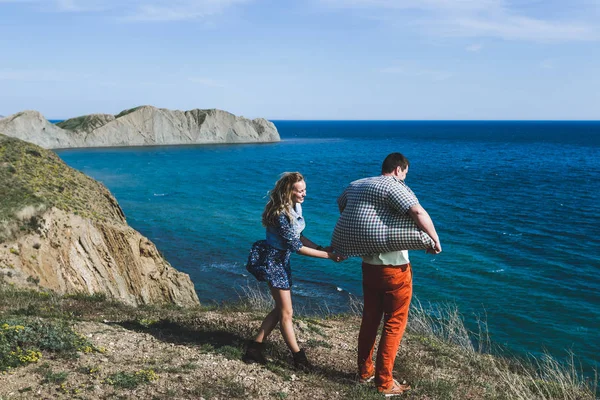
280,198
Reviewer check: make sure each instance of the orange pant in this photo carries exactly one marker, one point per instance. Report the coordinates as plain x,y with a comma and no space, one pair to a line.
387,292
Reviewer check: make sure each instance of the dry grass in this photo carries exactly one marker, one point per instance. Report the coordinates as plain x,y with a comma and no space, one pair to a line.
256,298
443,359
196,352
484,372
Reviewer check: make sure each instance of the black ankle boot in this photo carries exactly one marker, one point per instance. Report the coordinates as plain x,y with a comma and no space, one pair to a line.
254,353
301,362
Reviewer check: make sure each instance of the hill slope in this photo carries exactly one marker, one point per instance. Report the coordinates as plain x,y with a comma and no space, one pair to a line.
62,230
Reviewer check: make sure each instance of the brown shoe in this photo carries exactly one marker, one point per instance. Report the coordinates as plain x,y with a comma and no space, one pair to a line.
397,389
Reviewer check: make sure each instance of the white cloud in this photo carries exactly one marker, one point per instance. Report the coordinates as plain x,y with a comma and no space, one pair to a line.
206,82
523,28
434,75
474,47
34,75
416,71
480,18
547,64
139,10
180,10
392,70
78,6
458,5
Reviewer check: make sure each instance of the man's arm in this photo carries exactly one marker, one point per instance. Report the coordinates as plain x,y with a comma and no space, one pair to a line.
424,222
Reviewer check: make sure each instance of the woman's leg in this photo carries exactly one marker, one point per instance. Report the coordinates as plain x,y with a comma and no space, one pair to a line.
283,303
255,349
268,324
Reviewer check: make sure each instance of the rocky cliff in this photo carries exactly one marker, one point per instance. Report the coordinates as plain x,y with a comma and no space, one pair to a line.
141,126
62,230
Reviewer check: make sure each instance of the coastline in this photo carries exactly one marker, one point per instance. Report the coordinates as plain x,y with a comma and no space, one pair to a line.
502,245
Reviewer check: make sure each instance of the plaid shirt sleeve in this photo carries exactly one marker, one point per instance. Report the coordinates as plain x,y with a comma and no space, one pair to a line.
401,198
290,238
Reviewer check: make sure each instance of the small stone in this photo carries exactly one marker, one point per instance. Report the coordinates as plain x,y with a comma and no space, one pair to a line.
302,325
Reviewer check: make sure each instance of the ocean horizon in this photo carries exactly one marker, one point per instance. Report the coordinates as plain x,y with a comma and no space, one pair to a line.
514,203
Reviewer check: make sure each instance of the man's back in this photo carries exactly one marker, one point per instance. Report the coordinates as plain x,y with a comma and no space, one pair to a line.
374,218
379,192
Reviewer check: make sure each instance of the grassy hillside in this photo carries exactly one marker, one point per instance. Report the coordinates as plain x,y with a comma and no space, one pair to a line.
86,347
85,123
33,179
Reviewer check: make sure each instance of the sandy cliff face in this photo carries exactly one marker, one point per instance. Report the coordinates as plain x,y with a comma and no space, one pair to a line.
71,254
141,126
61,230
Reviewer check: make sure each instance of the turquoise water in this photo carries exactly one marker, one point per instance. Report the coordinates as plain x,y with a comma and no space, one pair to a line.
515,204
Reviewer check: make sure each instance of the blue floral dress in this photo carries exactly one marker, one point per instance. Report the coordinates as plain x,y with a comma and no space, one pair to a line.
269,260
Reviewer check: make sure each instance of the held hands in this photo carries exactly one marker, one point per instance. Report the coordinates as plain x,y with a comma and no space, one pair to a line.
333,256
330,253
336,257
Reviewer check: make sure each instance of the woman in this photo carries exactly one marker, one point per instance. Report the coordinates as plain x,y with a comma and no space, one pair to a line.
269,261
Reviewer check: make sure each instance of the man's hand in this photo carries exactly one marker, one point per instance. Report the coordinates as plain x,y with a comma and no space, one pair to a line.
336,257
436,249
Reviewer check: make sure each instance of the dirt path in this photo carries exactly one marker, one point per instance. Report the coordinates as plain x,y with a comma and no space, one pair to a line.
193,359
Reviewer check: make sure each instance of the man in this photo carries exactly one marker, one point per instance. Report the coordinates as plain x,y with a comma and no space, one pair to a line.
387,277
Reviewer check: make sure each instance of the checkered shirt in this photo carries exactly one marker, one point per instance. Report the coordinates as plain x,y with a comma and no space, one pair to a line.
375,218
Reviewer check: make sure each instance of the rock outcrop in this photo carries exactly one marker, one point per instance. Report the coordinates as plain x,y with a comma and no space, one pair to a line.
32,127
141,126
62,230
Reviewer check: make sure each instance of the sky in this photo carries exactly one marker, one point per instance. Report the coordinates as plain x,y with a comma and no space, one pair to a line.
304,59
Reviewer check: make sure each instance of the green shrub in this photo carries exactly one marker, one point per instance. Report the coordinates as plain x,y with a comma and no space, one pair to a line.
128,380
55,377
230,352
34,280
22,341
97,297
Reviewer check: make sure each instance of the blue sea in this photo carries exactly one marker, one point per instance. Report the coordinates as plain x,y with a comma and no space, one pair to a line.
515,205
